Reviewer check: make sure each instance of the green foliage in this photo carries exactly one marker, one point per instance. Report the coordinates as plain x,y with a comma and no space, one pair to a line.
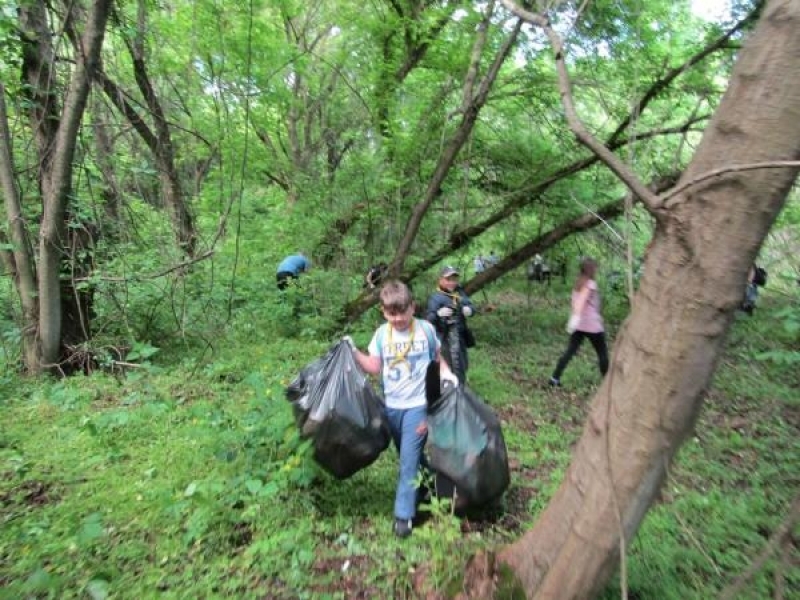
191,478
9,57
176,468
789,325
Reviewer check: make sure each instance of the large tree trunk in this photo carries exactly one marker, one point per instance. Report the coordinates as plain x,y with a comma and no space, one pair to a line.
56,133
706,239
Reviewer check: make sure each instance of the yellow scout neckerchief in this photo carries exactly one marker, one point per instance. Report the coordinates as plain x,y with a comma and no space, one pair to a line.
454,296
402,357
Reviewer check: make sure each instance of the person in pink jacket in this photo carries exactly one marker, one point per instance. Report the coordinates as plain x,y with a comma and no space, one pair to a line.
585,321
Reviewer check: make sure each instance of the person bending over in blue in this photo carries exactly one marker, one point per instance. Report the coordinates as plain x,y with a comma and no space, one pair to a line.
290,268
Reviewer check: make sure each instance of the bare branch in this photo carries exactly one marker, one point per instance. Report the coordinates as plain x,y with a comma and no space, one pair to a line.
475,58
661,84
677,190
181,266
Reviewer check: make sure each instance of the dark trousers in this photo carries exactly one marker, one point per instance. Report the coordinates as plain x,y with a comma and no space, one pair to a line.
598,340
283,278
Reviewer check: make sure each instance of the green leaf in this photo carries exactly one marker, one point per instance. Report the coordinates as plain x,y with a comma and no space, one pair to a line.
39,581
91,529
254,486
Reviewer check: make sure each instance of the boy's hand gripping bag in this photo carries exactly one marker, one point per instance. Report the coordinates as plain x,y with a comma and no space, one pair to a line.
336,407
465,443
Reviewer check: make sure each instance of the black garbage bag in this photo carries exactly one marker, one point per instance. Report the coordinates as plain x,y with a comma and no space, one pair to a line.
466,447
454,348
335,406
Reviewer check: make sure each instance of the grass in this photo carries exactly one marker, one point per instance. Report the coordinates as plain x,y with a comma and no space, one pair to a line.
189,481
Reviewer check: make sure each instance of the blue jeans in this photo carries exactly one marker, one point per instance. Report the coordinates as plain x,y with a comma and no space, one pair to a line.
403,424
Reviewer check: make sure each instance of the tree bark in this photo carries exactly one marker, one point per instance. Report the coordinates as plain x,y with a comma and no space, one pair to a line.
668,348
19,261
56,133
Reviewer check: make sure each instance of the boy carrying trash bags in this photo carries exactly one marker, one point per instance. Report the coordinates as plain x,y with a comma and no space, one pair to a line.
344,418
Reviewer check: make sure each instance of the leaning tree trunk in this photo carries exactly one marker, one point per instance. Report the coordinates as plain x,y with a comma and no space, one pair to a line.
473,102
164,149
707,236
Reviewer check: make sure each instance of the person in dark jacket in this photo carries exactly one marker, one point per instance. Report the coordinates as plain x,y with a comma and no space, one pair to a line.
448,309
756,277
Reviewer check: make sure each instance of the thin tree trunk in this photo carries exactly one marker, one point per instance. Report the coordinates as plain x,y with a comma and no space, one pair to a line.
110,192
163,150
471,109
19,261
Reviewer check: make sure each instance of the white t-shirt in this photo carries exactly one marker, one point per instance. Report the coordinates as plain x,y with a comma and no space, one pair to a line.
404,368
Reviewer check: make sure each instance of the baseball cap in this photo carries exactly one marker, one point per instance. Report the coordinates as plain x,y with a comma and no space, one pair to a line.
449,271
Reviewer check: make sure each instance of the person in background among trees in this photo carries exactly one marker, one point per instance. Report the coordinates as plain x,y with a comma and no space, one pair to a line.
290,268
400,351
536,268
448,310
585,321
492,260
375,275
751,291
479,264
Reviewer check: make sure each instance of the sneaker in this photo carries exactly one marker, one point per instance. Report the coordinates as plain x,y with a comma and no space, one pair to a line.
402,528
554,382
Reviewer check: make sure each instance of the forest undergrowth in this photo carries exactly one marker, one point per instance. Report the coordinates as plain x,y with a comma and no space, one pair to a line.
176,480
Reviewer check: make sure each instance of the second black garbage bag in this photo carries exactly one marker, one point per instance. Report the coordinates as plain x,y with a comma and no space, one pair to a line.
465,443
337,408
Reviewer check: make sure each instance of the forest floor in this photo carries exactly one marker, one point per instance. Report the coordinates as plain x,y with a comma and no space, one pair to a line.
178,483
